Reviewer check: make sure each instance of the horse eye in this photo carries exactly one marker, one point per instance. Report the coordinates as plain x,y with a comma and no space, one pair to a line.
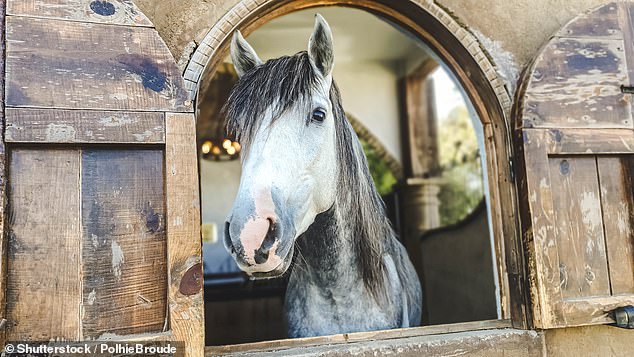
319,115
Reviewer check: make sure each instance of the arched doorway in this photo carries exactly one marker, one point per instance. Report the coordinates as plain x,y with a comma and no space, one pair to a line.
465,59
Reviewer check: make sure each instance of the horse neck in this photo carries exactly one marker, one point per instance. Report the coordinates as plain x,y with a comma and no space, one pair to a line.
329,252
324,248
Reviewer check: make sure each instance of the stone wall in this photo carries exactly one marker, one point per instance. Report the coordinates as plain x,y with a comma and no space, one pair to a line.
520,26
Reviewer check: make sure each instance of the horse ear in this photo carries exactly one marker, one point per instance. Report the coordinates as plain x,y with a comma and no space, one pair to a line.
320,47
243,55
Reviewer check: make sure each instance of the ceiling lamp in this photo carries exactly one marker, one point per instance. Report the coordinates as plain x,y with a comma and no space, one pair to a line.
220,150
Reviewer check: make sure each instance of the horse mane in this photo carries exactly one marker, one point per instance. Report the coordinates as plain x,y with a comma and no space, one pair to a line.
277,85
361,202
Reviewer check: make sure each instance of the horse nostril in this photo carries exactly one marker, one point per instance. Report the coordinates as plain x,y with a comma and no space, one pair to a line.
227,237
262,253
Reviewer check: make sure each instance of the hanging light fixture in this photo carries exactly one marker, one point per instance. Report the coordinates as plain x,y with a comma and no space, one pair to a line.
220,150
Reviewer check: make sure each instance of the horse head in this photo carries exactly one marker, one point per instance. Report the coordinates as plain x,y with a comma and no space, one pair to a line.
282,114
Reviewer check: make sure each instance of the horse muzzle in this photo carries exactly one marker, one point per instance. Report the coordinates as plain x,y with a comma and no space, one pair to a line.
257,247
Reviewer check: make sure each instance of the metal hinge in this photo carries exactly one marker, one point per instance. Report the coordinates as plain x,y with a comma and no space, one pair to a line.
624,317
511,169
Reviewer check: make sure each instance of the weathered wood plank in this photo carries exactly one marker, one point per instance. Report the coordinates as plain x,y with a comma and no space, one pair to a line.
576,83
25,125
44,267
419,123
576,200
594,310
626,22
124,242
356,337
3,184
183,229
489,342
70,65
118,12
541,240
616,175
583,142
602,23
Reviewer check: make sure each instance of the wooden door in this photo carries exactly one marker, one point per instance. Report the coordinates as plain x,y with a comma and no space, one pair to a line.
576,139
102,232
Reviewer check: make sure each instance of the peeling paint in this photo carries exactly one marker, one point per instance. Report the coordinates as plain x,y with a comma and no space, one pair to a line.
113,121
142,137
60,132
590,209
117,259
92,297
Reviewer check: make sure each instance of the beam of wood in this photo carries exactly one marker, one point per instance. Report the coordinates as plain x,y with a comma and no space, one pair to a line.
419,123
578,225
3,183
587,141
486,343
541,240
71,65
616,177
356,337
116,12
124,249
26,125
44,259
185,293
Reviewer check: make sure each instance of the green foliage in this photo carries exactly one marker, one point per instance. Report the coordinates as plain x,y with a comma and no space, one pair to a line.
462,188
383,177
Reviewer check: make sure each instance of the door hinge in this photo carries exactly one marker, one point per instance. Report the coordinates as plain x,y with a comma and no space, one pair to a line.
624,317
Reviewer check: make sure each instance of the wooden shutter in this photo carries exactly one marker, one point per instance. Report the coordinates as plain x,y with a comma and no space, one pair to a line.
576,138
102,226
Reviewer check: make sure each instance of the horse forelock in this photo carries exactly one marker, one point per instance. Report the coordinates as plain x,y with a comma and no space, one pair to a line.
275,85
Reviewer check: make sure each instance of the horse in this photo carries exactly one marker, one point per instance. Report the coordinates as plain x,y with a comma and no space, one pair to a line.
306,192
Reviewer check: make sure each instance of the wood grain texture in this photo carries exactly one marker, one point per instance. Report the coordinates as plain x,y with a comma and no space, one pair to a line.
584,142
183,228
540,239
73,65
420,147
576,83
578,226
25,125
571,174
583,269
3,184
124,242
617,200
486,343
601,23
575,80
118,12
626,22
44,278
355,337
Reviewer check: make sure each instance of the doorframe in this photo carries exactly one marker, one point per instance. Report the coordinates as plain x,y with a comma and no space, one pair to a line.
460,50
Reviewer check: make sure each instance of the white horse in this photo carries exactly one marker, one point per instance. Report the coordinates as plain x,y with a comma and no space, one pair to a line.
306,190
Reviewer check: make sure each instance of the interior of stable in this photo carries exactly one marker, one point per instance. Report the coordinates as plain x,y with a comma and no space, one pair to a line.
425,148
